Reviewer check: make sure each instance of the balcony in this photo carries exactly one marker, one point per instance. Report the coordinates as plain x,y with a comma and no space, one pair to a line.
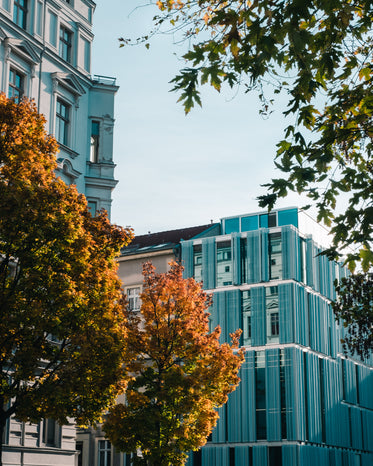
107,80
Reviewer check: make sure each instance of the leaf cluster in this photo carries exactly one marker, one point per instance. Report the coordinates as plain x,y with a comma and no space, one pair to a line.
317,53
61,305
181,373
354,308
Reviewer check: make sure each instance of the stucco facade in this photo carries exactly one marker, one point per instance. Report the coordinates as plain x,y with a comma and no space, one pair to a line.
45,54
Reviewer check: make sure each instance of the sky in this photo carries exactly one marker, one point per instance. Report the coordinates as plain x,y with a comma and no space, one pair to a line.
176,171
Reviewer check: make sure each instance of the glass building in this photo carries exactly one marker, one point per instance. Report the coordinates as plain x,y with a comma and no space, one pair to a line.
301,401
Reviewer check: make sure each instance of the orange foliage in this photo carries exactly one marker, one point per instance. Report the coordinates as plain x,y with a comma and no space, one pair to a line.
181,373
61,308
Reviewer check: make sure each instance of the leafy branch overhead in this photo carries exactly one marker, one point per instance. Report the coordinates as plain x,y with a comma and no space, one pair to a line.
319,55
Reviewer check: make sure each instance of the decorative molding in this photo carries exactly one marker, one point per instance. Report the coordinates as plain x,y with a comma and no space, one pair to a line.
69,82
65,166
23,49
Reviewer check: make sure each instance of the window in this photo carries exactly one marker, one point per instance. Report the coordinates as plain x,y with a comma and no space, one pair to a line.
104,453
79,449
6,5
51,433
272,220
260,396
95,138
246,316
275,256
197,262
274,324
39,18
92,206
274,456
243,254
133,296
272,314
62,122
283,394
52,29
16,85
87,55
224,275
65,44
20,13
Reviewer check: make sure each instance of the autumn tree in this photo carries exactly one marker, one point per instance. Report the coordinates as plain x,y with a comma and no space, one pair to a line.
61,324
318,56
181,373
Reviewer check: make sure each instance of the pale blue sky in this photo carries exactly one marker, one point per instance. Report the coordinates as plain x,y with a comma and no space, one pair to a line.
174,170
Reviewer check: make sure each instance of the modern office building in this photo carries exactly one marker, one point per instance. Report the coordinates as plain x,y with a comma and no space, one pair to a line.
45,54
301,401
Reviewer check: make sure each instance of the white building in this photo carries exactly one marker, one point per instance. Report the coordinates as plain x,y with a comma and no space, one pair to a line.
45,54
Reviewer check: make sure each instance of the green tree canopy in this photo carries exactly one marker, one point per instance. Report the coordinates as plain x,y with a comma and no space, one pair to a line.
354,307
319,55
61,308
181,373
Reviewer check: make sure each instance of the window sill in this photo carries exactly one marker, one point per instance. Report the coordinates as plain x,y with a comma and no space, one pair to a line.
67,149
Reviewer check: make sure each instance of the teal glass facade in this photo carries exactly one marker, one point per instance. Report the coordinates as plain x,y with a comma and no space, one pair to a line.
300,402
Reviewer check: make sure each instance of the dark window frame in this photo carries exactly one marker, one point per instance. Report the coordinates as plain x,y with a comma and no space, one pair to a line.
20,13
104,447
15,90
62,121
65,43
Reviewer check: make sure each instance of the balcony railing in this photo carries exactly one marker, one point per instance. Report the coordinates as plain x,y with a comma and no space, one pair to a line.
97,78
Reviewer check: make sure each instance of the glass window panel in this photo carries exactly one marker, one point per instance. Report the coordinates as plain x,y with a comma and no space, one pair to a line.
87,55
20,13
52,29
197,262
104,453
92,206
62,122
283,395
79,449
246,316
39,18
272,314
263,221
275,256
272,220
224,275
288,217
243,247
65,44
16,84
274,456
249,223
232,225
6,5
95,140
133,297
260,396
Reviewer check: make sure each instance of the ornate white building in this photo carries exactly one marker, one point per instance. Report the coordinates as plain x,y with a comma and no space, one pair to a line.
45,54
